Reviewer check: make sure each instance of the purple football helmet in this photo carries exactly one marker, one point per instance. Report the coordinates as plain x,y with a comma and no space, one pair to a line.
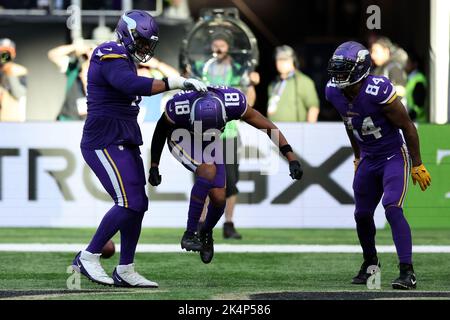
350,64
210,111
138,33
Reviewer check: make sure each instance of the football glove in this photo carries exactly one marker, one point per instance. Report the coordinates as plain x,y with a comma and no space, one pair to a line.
186,84
356,162
193,84
295,168
154,178
421,175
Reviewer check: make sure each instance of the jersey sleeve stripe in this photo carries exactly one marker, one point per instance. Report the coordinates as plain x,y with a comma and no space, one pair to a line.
168,117
246,104
112,56
245,110
391,97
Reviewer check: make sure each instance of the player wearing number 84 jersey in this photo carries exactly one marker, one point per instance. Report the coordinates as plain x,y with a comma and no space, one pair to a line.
374,116
192,124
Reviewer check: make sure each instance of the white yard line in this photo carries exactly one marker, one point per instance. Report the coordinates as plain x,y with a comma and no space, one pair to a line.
230,248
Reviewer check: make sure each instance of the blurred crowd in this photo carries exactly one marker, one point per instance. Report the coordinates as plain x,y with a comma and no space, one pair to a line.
13,84
292,95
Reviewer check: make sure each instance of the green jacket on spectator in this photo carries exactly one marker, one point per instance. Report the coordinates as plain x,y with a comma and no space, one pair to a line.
290,99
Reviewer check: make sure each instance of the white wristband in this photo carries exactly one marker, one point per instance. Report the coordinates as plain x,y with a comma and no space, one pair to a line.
176,82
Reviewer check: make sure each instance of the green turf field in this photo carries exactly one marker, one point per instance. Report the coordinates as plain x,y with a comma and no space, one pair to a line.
38,275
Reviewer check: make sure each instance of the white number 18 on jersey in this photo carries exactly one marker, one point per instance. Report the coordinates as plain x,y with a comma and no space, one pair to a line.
182,107
231,99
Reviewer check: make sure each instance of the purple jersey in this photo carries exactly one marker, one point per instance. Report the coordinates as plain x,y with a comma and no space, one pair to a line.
178,109
113,96
375,134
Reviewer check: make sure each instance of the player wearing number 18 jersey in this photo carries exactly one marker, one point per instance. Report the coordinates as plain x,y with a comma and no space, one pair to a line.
192,123
374,116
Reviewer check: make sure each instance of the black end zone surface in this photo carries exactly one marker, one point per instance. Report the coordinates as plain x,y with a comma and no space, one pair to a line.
26,293
350,295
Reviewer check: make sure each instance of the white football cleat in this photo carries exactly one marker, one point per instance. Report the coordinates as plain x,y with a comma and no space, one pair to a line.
88,264
125,276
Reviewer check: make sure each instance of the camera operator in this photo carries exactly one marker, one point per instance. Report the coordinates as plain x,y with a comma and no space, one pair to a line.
73,60
13,88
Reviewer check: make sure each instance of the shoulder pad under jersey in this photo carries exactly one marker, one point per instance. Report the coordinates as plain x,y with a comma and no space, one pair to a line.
380,90
110,50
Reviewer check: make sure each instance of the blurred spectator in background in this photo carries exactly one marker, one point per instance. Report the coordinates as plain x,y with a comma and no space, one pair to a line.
293,95
390,60
61,4
157,69
13,84
416,89
221,69
73,60
43,4
177,9
150,108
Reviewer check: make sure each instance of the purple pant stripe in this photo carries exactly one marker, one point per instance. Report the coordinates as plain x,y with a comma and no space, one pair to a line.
112,176
407,160
118,176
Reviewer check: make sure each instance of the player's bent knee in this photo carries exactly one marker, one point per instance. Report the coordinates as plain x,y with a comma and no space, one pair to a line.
393,210
394,206
391,203
231,191
218,197
363,215
138,208
140,204
206,171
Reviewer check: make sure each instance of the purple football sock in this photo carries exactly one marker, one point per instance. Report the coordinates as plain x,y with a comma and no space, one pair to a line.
365,227
213,216
401,233
129,236
198,196
108,227
128,222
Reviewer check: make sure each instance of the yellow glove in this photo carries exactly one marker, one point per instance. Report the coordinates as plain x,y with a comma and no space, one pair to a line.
421,175
356,163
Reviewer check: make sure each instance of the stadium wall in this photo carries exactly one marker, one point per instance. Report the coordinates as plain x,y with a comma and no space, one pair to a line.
45,182
431,209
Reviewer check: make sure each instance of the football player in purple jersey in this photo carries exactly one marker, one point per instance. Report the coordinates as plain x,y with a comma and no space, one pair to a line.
374,117
192,124
111,140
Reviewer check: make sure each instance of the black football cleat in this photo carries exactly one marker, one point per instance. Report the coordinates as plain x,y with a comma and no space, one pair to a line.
229,232
190,242
207,251
363,274
407,279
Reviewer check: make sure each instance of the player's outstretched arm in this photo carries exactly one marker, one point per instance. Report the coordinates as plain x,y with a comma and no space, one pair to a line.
257,120
173,83
397,115
177,82
159,138
119,75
